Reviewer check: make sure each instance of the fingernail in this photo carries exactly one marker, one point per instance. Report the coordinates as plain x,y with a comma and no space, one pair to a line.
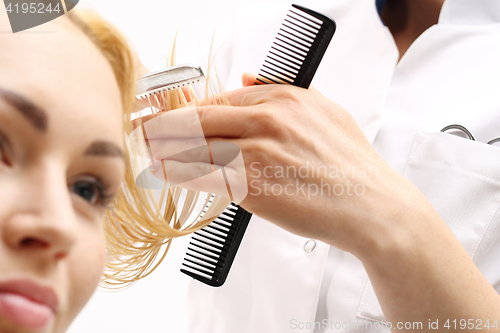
155,167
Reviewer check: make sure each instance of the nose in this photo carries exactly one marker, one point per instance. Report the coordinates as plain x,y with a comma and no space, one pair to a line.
42,221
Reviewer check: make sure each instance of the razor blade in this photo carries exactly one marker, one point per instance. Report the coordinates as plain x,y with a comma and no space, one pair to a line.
168,79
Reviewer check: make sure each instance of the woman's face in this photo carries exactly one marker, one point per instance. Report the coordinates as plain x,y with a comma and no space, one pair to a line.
61,162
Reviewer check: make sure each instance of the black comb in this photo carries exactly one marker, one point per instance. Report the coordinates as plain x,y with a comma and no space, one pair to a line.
293,59
212,249
298,49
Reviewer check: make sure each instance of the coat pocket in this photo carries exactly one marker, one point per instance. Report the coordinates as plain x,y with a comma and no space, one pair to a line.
461,178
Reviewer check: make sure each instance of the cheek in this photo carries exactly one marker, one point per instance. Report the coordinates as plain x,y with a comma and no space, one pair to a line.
86,266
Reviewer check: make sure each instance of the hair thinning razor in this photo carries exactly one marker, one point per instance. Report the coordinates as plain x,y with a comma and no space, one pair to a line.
168,79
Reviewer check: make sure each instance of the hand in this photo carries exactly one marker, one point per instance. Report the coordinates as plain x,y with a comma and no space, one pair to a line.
309,167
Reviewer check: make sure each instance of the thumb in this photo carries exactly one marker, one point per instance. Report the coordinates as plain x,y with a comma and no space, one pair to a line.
249,79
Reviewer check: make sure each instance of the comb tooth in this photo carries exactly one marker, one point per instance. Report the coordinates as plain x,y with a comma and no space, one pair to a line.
210,256
307,43
278,77
312,32
306,47
209,244
303,52
219,226
291,50
201,270
280,56
215,234
201,262
232,205
208,237
265,82
315,16
279,69
229,213
236,216
222,224
230,210
204,248
278,74
225,219
288,55
311,18
310,38
284,74
224,232
207,279
291,68
210,267
271,79
317,25
213,273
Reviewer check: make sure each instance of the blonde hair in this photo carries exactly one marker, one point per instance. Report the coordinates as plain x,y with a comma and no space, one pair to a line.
140,229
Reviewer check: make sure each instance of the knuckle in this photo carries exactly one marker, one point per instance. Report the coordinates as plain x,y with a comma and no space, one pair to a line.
268,119
201,110
284,92
256,147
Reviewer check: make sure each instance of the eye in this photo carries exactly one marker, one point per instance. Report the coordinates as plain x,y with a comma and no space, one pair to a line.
87,191
92,190
3,150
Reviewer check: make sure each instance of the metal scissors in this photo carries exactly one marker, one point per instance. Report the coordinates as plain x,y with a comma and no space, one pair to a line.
467,133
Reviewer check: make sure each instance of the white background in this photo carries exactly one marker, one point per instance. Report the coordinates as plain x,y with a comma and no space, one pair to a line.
157,303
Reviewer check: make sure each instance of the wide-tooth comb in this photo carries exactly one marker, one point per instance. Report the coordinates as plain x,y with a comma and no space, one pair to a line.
168,79
212,249
293,59
298,49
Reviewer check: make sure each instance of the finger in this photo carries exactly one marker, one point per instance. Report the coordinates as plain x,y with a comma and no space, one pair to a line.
247,96
221,121
141,104
186,151
200,176
141,120
249,79
207,176
196,122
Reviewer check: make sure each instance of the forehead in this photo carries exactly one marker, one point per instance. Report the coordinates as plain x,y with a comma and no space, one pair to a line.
58,68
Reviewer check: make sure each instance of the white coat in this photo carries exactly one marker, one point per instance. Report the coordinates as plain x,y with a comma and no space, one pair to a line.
450,75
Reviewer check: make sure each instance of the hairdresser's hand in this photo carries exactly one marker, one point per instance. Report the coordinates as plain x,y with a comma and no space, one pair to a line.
309,167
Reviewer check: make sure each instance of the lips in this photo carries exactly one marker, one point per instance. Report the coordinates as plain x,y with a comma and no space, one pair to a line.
27,303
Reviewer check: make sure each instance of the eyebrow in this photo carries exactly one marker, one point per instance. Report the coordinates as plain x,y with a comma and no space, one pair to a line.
34,114
39,119
104,148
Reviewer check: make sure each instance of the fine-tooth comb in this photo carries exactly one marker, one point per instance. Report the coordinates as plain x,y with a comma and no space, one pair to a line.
293,59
